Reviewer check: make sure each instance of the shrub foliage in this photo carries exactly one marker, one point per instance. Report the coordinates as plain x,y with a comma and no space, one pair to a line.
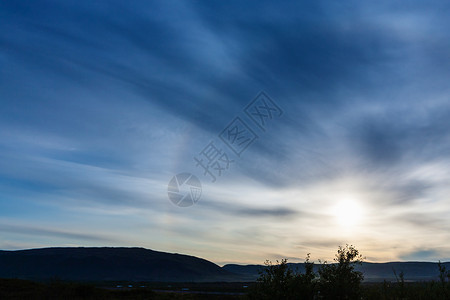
340,280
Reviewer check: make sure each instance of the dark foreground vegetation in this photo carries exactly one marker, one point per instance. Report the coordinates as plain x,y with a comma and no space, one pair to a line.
340,280
25,289
337,280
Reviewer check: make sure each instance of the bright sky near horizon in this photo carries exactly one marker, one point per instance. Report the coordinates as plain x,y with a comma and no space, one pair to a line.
102,103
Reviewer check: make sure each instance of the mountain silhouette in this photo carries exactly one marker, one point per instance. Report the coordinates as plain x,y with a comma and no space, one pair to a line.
134,264
139,264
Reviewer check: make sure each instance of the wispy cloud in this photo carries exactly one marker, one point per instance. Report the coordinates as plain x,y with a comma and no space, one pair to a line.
103,103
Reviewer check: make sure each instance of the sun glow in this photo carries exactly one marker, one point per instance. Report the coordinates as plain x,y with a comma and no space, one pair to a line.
348,213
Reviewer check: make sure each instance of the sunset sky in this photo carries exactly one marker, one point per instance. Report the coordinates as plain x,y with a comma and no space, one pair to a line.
103,102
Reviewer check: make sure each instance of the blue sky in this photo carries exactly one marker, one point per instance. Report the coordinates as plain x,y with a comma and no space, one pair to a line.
102,103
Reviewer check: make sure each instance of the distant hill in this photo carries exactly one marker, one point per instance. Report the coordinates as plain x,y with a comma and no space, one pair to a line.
413,271
139,264
133,264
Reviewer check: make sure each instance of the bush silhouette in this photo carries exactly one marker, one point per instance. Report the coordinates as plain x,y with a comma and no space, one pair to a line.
279,281
305,283
338,280
444,278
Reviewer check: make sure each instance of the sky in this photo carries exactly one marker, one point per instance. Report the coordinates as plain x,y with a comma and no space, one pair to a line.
102,103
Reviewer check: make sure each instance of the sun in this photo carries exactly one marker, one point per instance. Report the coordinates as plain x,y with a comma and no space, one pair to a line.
348,213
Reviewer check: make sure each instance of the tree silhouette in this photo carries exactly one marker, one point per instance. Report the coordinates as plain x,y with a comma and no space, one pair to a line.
279,281
340,280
